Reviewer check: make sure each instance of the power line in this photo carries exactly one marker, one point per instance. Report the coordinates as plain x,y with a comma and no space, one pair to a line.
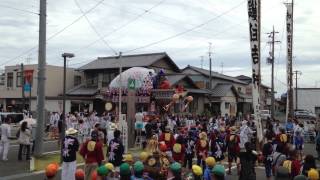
94,29
17,9
123,26
76,20
55,34
184,32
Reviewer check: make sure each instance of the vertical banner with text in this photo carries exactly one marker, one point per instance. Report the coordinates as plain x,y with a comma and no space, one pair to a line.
254,29
289,22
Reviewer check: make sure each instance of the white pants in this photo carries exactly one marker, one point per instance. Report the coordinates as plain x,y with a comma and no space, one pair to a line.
4,148
68,170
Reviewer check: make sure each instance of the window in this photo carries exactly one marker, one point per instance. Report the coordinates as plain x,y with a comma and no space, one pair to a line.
77,80
207,85
105,79
18,79
10,79
92,79
227,105
239,89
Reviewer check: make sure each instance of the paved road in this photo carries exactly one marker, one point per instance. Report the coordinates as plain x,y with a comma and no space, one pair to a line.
309,149
13,166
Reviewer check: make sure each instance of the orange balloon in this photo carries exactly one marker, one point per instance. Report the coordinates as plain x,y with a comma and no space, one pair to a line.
56,166
51,169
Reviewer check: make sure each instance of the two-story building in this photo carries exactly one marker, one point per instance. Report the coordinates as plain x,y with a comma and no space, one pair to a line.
228,94
265,92
101,71
11,97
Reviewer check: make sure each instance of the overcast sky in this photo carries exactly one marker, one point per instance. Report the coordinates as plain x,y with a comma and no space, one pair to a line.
127,25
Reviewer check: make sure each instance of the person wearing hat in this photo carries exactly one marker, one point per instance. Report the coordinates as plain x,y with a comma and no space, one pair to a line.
202,148
246,163
125,172
176,171
143,157
178,150
138,168
70,146
210,163
102,172
115,149
92,152
218,172
313,174
245,133
232,144
197,172
111,170
189,152
128,158
168,139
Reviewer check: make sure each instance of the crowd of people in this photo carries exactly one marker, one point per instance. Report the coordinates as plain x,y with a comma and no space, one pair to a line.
176,147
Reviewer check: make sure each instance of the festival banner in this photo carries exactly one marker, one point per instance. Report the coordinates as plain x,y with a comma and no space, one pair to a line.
254,29
289,22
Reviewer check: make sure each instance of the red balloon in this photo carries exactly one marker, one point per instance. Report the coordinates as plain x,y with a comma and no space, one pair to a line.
94,175
79,174
163,147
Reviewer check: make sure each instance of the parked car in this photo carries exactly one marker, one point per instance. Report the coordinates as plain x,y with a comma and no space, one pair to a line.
300,113
15,117
265,114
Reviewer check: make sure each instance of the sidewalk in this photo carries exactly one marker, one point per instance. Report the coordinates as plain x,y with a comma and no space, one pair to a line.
13,166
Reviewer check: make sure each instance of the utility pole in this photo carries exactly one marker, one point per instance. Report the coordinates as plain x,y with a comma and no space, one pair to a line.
120,87
296,73
201,61
270,60
41,78
221,67
210,66
22,87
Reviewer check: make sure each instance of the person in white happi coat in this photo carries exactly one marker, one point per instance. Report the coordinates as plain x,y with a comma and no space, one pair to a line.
245,133
4,141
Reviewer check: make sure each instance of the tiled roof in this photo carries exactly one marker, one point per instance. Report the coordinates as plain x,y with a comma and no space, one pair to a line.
82,91
215,74
221,90
137,60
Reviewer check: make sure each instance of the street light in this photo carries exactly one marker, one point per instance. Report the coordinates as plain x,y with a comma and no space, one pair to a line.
65,56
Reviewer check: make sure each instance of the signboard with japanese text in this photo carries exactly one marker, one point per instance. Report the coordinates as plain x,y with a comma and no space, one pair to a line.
254,29
289,23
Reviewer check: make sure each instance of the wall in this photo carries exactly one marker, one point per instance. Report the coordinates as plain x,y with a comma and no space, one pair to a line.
54,81
231,99
52,105
163,64
308,99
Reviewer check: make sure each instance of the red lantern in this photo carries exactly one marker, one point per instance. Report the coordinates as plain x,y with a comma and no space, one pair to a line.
165,84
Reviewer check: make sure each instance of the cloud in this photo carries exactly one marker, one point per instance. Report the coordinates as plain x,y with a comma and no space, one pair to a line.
228,33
